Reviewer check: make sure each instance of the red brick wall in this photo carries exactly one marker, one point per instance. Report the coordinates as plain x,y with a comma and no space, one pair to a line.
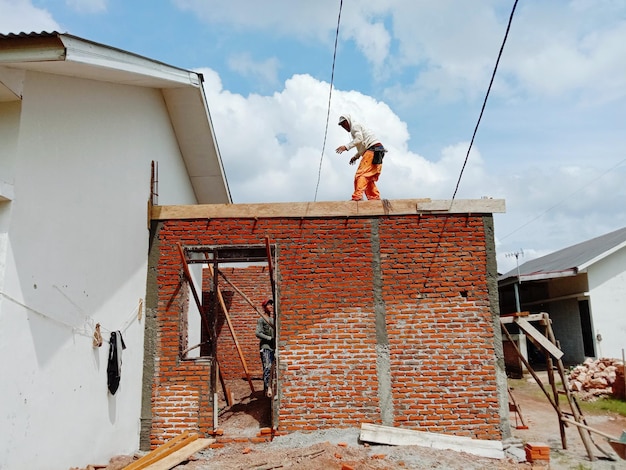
427,274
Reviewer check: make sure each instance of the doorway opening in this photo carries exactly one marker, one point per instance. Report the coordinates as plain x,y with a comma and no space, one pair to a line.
227,286
587,328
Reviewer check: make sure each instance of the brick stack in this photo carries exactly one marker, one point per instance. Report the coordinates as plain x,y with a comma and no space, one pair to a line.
537,452
619,386
597,378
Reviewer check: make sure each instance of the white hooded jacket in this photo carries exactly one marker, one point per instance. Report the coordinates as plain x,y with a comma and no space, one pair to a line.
362,137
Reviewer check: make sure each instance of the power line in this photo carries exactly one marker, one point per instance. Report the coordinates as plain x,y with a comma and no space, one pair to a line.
493,75
330,93
445,221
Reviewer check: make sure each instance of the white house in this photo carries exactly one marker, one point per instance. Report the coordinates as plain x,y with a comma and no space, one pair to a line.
583,289
80,127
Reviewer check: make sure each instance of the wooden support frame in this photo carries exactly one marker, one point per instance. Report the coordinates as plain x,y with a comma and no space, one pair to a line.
192,286
232,331
245,297
549,345
224,255
538,337
515,408
270,265
215,369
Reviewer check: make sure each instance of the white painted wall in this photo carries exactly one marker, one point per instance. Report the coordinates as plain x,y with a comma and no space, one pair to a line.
76,254
607,289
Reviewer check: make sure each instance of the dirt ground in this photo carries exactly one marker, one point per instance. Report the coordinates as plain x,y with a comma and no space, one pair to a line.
342,450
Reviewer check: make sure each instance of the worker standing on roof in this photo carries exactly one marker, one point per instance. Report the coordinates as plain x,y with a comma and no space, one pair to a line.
265,332
371,152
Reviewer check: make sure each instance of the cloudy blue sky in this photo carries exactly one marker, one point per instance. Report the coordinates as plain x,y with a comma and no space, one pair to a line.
552,141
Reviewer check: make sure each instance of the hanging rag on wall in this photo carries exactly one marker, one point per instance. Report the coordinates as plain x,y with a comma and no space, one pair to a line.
97,337
114,366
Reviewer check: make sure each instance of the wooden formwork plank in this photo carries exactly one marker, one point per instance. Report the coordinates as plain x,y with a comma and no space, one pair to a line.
399,436
164,450
539,337
180,455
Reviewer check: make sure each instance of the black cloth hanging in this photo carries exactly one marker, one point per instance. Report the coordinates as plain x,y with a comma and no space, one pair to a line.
114,366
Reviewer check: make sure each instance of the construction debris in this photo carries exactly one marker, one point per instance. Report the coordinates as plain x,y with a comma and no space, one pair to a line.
595,378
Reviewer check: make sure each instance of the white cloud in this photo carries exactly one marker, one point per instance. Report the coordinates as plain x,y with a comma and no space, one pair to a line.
547,205
265,71
17,16
278,157
551,130
87,6
281,17
570,51
450,47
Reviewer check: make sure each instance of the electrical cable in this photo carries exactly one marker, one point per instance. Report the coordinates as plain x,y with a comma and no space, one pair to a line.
445,222
493,75
330,93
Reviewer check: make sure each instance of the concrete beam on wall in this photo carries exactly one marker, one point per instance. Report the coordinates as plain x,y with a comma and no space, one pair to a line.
329,209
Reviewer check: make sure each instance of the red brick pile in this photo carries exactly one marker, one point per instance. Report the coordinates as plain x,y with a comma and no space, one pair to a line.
597,378
537,451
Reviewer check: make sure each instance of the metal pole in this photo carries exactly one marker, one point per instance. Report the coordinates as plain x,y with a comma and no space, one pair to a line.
518,281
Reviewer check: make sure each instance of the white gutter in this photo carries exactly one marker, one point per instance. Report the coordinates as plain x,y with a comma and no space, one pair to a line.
84,52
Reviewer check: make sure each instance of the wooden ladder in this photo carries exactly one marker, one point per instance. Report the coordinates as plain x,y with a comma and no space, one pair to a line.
547,343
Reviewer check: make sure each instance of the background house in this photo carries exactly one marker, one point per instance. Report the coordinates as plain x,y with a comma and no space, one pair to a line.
80,125
582,288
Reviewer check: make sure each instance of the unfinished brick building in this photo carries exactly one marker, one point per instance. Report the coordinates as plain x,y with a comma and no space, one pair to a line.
386,313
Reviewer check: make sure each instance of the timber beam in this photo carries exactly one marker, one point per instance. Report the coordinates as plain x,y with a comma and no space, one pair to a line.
329,209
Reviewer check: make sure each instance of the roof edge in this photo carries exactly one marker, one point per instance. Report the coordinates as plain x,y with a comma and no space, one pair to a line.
54,47
600,257
91,53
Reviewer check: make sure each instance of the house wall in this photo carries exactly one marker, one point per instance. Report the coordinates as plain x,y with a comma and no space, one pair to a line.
9,127
607,291
383,319
76,244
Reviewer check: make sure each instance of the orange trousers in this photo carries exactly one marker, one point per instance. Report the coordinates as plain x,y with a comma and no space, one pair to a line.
365,178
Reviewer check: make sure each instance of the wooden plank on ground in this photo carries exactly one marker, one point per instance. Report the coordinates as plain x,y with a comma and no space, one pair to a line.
397,436
163,451
539,337
180,455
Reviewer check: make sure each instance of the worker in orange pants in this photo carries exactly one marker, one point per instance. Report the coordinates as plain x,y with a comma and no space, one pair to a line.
371,152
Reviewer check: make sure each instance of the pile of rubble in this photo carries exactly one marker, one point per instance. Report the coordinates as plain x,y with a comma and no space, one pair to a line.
597,378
